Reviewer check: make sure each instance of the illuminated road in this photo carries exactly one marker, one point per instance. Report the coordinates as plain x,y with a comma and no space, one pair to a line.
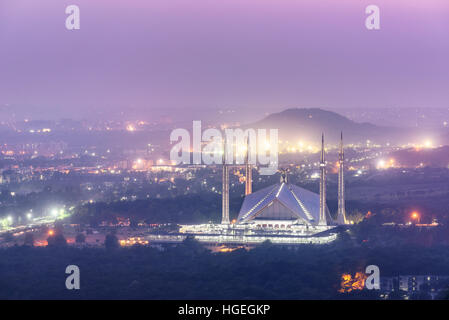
36,223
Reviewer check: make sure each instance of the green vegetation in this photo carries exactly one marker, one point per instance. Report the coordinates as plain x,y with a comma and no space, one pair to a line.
189,271
183,209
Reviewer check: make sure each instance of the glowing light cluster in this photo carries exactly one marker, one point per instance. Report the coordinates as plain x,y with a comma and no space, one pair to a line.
385,164
350,283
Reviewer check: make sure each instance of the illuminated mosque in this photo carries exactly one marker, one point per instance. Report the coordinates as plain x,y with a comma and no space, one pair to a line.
283,213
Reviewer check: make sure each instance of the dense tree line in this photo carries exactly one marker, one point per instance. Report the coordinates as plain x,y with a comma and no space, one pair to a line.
200,208
189,271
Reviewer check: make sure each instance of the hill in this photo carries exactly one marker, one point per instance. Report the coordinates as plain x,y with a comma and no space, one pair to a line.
307,124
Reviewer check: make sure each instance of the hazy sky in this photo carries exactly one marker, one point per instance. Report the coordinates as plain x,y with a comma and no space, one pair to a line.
172,56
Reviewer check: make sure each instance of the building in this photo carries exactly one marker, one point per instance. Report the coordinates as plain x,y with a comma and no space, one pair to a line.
281,206
412,286
285,205
283,213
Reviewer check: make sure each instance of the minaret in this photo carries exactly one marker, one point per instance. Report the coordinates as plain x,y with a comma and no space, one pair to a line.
248,173
341,215
225,190
322,221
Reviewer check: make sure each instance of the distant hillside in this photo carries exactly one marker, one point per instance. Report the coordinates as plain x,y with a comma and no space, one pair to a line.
307,124
412,157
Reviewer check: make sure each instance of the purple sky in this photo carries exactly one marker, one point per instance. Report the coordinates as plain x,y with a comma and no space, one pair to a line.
162,56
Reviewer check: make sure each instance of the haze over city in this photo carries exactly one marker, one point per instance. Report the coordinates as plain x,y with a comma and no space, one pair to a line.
152,59
224,149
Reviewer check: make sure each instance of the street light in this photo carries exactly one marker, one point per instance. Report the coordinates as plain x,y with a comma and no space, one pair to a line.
415,216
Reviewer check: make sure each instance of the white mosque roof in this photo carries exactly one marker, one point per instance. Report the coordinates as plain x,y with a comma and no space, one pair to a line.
282,201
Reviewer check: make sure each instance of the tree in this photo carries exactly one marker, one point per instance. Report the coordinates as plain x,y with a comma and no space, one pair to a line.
57,240
29,239
111,241
133,223
190,244
59,227
80,238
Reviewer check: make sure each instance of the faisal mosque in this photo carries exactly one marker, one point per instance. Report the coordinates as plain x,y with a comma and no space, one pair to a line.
284,213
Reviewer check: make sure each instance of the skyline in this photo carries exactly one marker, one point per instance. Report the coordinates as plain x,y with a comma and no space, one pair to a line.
162,58
193,151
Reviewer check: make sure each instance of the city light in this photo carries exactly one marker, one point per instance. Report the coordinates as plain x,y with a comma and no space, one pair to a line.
415,216
315,175
381,164
428,144
384,164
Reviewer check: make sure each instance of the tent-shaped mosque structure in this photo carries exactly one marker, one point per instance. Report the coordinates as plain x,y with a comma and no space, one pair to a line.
283,213
280,206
